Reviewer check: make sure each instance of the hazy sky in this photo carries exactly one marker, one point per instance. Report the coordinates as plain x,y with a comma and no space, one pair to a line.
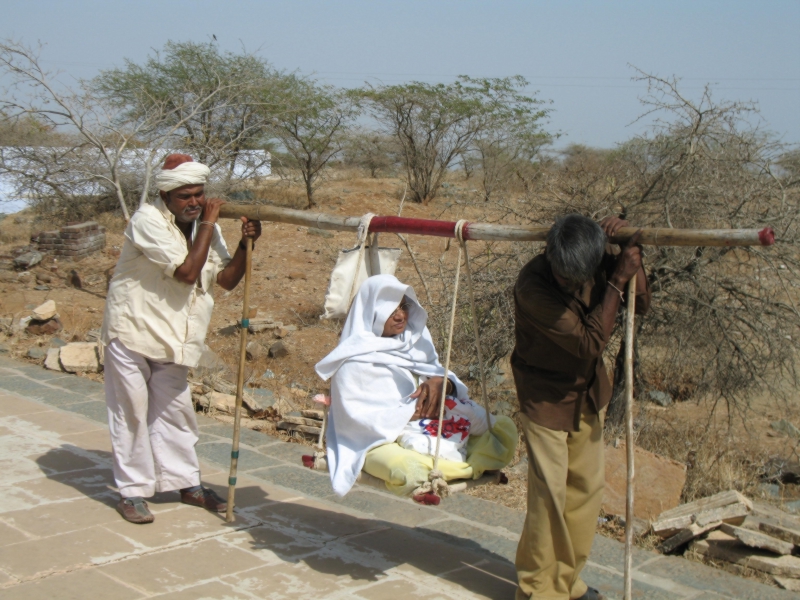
577,54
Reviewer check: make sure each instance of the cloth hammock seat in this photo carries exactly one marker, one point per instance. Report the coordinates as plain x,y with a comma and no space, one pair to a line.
402,471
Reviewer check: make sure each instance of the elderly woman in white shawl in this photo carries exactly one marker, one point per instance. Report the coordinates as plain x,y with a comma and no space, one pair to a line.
386,382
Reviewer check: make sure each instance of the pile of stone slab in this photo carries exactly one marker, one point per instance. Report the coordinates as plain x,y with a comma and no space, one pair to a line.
730,528
306,422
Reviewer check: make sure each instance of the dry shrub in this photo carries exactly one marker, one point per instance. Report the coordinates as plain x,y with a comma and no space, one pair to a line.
717,456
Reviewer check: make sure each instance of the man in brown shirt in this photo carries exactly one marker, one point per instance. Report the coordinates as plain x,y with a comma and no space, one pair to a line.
566,302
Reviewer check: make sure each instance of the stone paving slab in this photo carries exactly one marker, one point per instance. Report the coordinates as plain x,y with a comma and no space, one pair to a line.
60,536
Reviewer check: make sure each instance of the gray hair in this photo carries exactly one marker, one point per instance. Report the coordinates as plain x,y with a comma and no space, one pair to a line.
575,248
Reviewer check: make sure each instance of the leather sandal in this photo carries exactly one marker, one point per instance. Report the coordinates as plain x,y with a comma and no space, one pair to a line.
134,510
204,498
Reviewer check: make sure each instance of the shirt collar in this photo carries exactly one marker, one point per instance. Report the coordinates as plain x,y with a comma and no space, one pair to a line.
167,214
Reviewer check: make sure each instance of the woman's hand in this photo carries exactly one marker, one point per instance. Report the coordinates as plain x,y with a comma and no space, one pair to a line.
429,395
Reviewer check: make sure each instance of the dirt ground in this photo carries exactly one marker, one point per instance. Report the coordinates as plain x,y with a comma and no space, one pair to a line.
290,277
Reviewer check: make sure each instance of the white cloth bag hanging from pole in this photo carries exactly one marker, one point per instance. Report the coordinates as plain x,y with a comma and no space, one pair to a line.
352,269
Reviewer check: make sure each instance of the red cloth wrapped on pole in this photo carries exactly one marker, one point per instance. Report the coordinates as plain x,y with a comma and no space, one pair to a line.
415,226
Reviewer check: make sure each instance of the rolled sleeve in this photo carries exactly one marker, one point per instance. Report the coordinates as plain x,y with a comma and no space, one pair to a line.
153,238
218,259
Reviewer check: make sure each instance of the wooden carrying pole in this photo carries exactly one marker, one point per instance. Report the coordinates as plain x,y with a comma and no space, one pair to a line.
493,232
630,319
237,416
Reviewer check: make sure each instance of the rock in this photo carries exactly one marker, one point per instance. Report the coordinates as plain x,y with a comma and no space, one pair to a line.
729,507
36,353
660,398
223,402
5,323
209,364
8,277
49,327
41,288
770,490
28,260
260,325
57,342
786,427
722,546
254,350
52,360
45,311
74,280
43,278
24,277
313,414
93,335
228,330
262,398
756,539
296,275
319,232
278,350
268,375
80,357
4,349
658,484
503,408
793,506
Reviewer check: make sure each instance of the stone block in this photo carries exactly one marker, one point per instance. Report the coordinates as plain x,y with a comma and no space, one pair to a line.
28,260
52,361
80,357
47,327
36,353
278,350
658,484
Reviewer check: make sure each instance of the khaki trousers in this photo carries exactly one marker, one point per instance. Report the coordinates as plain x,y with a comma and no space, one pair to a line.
565,490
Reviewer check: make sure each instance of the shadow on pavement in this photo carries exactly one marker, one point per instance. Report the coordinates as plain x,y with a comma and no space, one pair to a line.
327,541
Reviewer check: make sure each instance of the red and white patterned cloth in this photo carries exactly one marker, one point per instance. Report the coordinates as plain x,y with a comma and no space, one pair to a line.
462,418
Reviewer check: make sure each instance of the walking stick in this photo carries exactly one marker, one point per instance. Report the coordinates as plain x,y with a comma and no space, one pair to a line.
629,321
237,416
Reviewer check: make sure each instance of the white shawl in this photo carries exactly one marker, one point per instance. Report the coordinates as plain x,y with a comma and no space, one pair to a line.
374,376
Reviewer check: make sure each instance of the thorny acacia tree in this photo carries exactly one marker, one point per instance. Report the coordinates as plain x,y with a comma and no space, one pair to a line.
312,128
436,124
209,103
100,126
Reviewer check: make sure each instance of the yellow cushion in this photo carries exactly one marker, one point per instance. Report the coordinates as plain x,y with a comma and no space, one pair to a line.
405,470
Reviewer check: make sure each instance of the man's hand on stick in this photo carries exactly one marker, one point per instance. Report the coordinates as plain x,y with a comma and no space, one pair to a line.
250,229
211,210
629,261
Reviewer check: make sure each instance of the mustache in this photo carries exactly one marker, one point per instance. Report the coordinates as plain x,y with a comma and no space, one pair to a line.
190,209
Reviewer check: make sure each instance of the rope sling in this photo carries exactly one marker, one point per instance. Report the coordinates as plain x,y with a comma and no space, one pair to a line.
436,484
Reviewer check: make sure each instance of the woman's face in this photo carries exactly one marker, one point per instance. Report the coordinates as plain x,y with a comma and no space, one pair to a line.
397,321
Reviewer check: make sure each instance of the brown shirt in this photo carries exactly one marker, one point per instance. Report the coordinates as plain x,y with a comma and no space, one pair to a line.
558,357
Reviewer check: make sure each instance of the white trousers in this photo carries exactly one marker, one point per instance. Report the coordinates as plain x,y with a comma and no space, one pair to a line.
152,422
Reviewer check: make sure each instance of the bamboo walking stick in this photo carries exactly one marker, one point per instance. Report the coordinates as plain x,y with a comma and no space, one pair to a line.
629,323
237,417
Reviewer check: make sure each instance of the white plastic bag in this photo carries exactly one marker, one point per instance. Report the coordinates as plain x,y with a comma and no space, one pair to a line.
352,269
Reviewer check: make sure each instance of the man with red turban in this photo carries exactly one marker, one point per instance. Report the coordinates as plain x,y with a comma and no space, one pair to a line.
157,313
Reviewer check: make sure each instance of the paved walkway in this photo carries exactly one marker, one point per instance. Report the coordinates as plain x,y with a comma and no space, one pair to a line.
60,536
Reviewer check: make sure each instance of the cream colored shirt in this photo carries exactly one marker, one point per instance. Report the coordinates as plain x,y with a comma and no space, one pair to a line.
147,309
